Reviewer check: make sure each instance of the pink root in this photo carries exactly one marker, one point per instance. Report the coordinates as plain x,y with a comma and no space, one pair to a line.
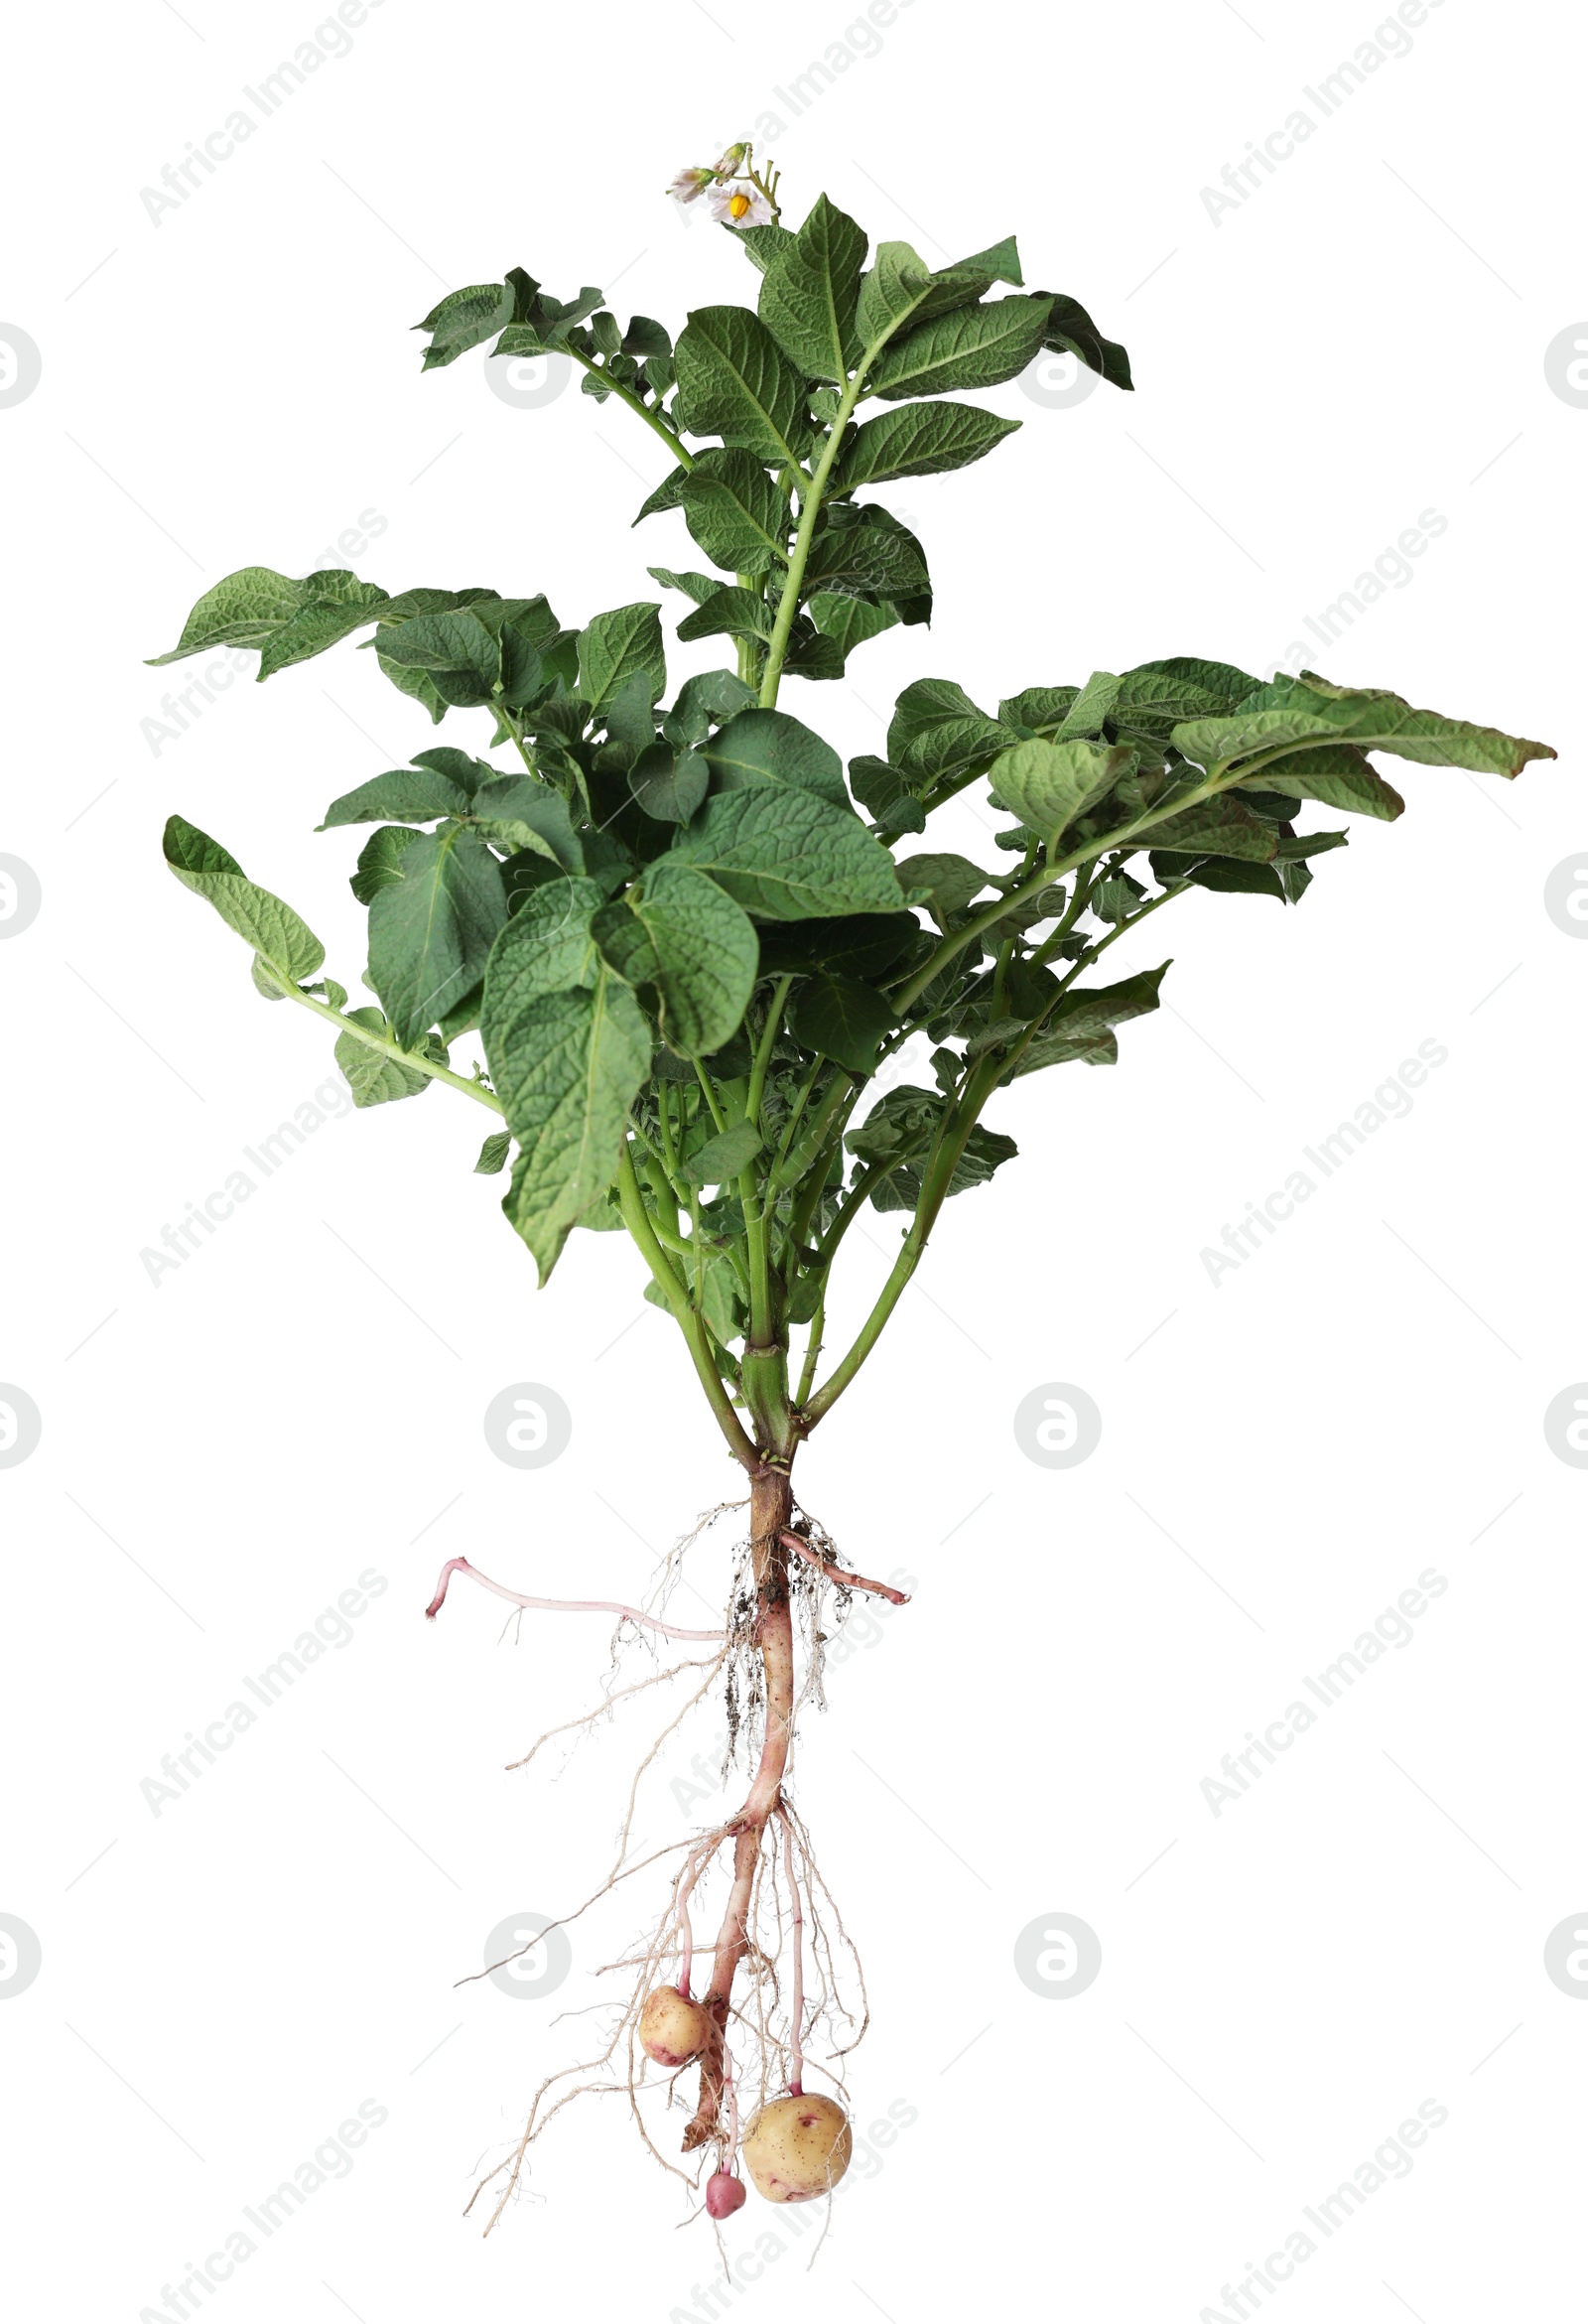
730,2100
797,1995
803,1548
686,1932
563,1605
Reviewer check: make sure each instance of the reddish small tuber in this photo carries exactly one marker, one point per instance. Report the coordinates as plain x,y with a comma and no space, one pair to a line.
723,2194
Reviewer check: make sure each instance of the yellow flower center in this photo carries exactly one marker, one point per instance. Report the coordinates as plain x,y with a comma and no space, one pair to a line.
739,204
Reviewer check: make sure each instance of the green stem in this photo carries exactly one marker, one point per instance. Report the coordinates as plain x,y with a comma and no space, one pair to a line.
787,1168
719,1118
517,733
792,1124
810,509
813,1352
653,420
750,1193
948,1147
638,1222
763,1053
1220,779
387,1046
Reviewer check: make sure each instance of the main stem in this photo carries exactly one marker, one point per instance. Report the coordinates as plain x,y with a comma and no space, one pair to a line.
771,1509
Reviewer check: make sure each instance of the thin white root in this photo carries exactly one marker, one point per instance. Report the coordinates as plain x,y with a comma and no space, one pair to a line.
589,1718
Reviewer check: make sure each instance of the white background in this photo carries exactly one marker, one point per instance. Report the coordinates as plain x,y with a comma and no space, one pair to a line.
224,1453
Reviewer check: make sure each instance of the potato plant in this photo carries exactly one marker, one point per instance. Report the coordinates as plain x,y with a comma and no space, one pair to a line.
686,939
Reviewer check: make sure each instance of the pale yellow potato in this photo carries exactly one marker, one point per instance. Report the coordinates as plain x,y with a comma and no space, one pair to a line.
671,2029
798,2148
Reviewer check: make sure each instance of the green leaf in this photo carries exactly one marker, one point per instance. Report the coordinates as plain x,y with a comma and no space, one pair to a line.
517,811
645,337
841,1019
546,947
769,746
761,244
893,289
247,607
416,684
619,647
380,860
735,511
868,945
1296,845
1237,878
884,792
1001,262
850,621
868,557
376,1080
431,932
1224,826
708,695
405,794
1335,776
984,1152
1070,330
1154,699
1084,1013
668,787
567,1068
971,346
810,654
786,854
698,586
464,319
272,927
493,1154
735,381
1047,786
718,1162
919,439
1309,709
1058,1048
456,651
1092,708
809,293
951,881
543,324
630,719
678,931
319,624
936,732
901,1125
669,494
727,613
1043,709
458,766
